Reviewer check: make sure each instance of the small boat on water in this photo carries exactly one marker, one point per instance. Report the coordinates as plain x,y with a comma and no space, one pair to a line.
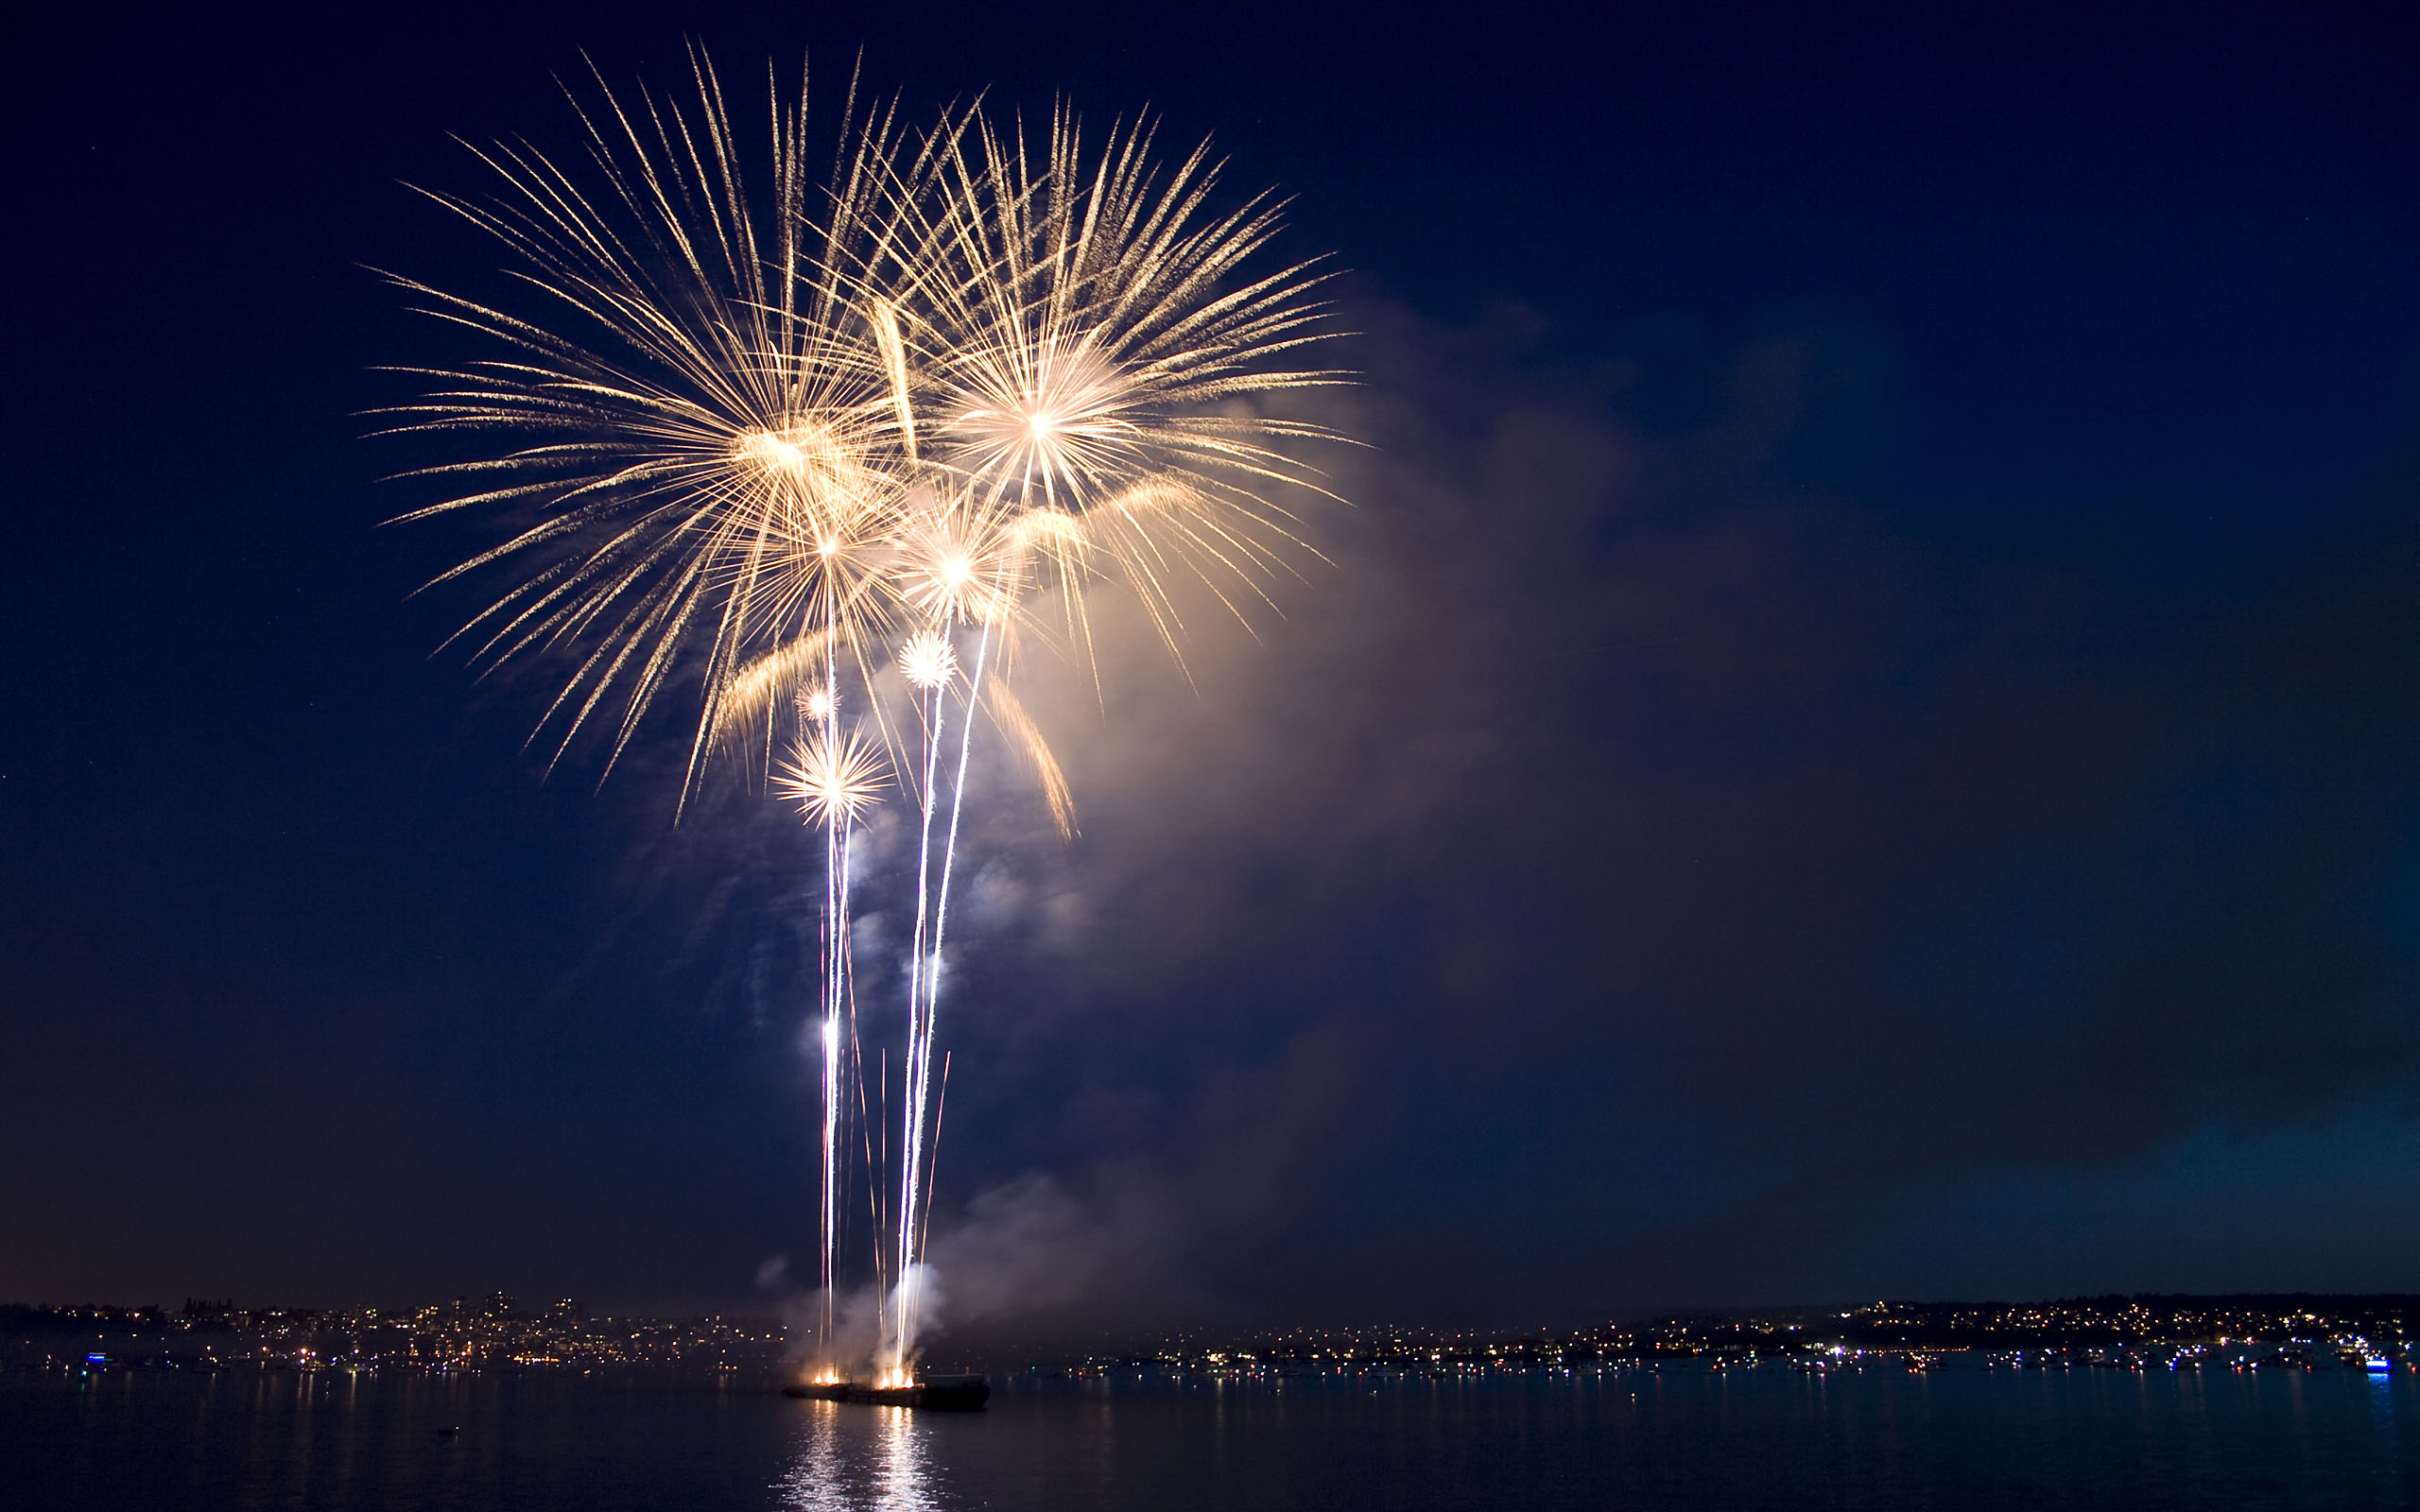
933,1394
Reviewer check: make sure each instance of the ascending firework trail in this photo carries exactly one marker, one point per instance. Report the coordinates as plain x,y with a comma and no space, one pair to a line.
786,449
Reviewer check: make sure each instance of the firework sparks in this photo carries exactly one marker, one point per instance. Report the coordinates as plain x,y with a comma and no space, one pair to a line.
710,445
832,782
928,660
1092,333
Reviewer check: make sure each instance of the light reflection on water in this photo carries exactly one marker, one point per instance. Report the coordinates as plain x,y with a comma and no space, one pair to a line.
860,1459
1635,1440
2386,1396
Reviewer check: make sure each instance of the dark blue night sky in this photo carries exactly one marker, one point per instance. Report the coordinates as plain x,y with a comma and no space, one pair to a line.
1861,736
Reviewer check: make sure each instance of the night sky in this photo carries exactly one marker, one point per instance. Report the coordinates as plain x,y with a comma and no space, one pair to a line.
1860,736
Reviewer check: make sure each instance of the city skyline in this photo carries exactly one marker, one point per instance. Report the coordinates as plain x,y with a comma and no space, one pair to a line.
493,1333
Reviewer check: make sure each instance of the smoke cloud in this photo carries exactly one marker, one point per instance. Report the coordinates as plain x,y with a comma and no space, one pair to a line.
1621,870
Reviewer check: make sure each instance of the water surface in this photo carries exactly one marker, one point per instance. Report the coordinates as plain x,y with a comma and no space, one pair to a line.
1675,1437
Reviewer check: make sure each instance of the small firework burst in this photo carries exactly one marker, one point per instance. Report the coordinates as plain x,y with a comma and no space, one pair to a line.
928,659
816,702
832,782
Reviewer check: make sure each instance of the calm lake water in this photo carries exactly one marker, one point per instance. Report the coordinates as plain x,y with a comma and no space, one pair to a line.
1678,1437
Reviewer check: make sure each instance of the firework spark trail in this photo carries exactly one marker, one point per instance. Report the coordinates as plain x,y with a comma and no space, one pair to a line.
932,1173
833,779
927,661
836,911
836,923
818,707
929,962
828,1044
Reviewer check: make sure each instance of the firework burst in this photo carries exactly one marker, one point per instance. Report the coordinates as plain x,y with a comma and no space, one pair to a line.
832,782
1090,340
928,660
706,430
782,450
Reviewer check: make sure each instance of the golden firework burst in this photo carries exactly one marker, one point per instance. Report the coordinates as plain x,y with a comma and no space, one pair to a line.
707,431
832,781
928,660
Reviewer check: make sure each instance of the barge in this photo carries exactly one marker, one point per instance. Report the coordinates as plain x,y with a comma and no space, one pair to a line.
933,1394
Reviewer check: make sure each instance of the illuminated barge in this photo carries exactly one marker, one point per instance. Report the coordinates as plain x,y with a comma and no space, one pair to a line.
933,1394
